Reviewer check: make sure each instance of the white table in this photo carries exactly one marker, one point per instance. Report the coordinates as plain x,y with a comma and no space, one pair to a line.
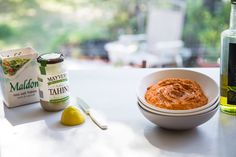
28,131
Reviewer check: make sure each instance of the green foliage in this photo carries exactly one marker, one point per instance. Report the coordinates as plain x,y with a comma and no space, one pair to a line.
203,28
126,16
93,31
46,26
5,31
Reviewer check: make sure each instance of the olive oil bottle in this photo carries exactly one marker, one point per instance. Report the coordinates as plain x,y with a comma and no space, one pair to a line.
228,65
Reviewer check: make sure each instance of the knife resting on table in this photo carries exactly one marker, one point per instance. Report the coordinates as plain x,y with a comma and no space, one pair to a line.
92,114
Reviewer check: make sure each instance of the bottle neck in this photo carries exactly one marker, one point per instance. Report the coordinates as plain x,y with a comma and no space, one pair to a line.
233,17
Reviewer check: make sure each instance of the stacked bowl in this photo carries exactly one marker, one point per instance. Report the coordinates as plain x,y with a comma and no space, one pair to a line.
179,119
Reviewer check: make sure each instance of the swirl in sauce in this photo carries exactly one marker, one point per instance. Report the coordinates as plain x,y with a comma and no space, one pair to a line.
176,94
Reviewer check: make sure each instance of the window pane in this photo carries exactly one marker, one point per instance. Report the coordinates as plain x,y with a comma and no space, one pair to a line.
98,33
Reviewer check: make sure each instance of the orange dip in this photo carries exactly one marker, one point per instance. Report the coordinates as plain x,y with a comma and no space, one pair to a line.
176,94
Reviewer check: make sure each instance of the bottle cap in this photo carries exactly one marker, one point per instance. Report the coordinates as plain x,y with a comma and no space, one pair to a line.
233,1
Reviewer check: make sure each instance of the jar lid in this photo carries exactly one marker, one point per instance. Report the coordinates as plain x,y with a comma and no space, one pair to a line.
50,58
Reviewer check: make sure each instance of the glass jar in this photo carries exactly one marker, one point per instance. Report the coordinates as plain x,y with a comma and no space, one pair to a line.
53,82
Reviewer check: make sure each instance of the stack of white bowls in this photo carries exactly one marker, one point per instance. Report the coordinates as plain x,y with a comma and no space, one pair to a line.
179,119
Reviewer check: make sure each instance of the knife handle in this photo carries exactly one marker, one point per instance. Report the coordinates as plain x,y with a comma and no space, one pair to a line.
98,121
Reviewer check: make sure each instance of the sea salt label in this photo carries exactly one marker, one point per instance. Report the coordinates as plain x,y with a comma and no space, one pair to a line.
18,76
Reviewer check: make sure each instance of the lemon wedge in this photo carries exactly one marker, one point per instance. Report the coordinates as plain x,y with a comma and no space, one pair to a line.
72,116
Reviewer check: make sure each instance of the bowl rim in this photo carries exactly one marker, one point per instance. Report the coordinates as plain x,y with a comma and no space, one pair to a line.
176,111
216,105
191,112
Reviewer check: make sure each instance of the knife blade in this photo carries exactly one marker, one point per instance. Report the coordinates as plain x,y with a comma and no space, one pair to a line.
92,114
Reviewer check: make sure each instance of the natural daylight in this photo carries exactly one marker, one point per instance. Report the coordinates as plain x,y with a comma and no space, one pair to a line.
117,78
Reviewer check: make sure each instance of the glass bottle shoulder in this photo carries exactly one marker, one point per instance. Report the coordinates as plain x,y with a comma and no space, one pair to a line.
229,33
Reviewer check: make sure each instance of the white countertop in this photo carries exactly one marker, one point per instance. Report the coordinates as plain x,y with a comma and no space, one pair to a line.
28,131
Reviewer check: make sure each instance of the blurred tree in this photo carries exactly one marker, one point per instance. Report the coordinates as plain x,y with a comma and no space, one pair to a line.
17,7
5,31
211,5
39,23
205,20
46,25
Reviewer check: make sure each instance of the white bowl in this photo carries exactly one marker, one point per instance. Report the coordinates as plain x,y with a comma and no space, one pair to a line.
180,114
178,122
187,113
208,85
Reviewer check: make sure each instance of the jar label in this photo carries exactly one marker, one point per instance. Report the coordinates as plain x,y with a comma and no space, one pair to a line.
231,94
54,88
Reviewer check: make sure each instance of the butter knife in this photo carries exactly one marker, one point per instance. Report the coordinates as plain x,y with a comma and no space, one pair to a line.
91,113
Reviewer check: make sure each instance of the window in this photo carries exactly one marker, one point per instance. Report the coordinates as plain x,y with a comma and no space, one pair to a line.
119,32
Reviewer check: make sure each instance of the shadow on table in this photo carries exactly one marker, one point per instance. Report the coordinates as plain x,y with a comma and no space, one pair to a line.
32,113
227,135
186,141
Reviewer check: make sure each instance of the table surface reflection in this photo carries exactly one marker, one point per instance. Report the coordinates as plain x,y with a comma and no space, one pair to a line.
30,131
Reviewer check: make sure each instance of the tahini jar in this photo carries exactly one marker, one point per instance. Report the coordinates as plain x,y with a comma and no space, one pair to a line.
53,82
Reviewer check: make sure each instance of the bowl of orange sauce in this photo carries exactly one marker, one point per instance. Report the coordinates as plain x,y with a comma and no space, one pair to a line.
177,91
178,98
